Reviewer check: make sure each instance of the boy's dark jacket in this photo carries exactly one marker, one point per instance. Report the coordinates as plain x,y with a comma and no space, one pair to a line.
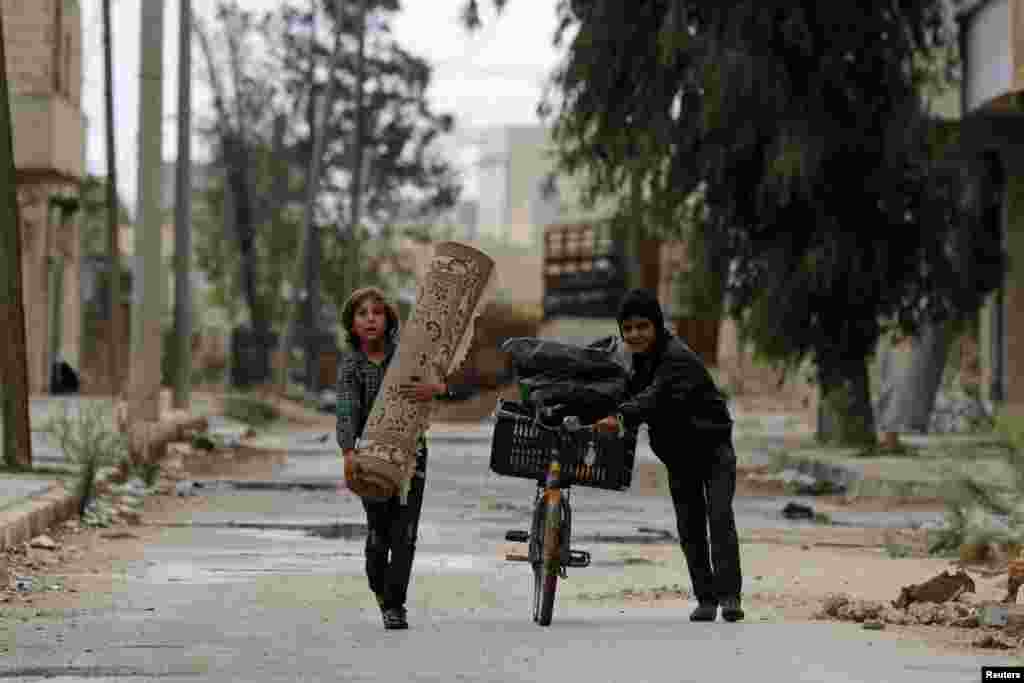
672,391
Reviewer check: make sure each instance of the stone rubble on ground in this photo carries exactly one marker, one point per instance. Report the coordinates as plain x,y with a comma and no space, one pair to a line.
844,608
43,542
996,641
956,413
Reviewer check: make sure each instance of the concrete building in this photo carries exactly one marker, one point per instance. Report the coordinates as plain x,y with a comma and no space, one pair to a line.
518,195
43,42
992,125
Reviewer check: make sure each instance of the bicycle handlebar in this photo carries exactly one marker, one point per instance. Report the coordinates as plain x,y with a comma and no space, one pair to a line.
569,424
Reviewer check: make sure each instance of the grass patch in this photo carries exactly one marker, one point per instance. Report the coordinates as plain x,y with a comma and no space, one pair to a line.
900,449
250,410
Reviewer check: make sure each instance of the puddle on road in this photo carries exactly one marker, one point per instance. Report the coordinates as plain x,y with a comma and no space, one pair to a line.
251,568
624,562
330,531
90,672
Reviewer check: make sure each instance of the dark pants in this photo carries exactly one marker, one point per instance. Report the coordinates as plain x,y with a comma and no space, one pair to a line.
702,489
391,541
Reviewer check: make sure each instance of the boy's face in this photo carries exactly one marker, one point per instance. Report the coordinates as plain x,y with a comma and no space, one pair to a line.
370,321
639,334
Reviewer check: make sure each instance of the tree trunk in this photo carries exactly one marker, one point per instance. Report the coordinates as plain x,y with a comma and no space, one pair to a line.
909,393
358,152
245,230
845,416
14,390
238,190
308,260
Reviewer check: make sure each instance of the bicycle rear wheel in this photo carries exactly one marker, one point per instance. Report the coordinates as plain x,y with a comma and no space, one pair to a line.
546,571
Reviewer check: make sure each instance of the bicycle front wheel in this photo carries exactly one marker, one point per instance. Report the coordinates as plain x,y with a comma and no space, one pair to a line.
545,572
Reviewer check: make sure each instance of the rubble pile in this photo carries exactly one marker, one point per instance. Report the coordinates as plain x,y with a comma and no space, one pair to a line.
993,632
24,568
844,608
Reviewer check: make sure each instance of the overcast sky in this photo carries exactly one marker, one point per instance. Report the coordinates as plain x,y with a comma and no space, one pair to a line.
493,77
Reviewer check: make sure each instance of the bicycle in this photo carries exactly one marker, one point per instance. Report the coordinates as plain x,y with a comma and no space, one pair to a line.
557,456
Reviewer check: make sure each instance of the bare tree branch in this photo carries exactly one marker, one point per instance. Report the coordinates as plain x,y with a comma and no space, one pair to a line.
219,96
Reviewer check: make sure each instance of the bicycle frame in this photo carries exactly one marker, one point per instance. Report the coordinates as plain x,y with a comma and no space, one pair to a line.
550,550
552,492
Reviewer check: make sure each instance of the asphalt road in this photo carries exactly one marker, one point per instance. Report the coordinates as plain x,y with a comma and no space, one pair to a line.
266,584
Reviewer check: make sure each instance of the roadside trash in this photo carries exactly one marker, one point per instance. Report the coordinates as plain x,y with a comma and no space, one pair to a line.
941,588
797,511
993,615
23,584
185,488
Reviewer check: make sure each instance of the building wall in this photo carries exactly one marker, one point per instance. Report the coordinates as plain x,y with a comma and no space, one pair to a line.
46,238
1014,291
43,45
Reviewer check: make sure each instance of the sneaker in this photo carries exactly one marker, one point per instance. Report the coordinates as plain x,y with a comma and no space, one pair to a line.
706,611
395,619
731,610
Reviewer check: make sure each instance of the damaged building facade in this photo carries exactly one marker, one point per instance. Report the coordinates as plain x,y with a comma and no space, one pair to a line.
43,43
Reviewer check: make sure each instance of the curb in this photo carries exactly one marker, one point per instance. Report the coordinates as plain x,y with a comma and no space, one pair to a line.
24,521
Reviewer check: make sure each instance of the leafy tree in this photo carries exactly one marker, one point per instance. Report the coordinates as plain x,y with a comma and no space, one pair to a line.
93,198
400,167
802,127
262,125
275,102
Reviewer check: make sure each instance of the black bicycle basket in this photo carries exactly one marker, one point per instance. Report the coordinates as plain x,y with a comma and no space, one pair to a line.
520,448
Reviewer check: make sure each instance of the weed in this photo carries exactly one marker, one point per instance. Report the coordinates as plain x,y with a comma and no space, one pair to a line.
89,444
898,550
148,472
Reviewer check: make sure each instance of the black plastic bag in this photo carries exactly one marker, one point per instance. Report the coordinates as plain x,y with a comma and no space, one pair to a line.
588,400
588,382
599,360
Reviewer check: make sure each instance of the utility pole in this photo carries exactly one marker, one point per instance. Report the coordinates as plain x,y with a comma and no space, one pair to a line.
113,215
149,302
183,216
17,438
